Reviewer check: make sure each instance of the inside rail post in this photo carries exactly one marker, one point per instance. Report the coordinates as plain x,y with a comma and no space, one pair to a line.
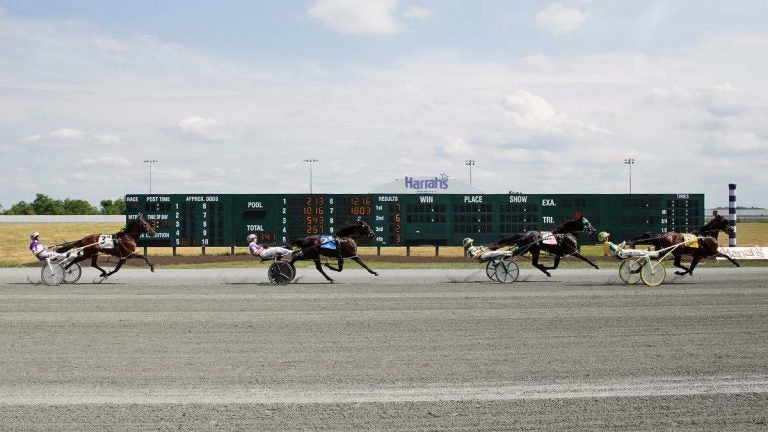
407,251
145,251
231,250
173,250
732,214
437,250
203,250
378,250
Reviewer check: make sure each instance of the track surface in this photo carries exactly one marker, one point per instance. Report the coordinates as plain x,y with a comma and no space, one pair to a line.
408,350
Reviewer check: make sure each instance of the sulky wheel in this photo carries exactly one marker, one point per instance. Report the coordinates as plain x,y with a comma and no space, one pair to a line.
281,272
507,270
490,270
72,274
653,273
52,274
629,271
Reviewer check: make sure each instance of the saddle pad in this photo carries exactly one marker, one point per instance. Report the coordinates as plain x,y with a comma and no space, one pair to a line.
691,240
327,242
548,238
106,242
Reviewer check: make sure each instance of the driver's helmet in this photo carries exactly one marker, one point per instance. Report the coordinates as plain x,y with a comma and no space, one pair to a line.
34,235
250,238
467,242
603,236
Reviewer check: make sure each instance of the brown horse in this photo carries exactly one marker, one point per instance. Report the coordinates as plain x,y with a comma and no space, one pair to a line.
341,245
705,245
560,242
123,246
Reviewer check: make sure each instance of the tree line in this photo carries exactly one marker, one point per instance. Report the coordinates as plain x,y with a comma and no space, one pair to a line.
45,205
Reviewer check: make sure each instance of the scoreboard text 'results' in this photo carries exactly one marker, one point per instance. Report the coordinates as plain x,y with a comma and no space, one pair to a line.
402,219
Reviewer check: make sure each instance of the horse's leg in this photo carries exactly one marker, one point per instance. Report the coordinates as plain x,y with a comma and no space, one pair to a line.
140,256
733,261
117,267
362,264
320,269
76,260
535,262
679,264
582,257
340,265
94,264
694,262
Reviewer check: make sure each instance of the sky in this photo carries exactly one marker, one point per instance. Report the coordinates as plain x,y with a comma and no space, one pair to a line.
233,96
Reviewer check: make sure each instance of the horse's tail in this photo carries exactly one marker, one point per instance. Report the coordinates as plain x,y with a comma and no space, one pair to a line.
67,246
646,238
507,241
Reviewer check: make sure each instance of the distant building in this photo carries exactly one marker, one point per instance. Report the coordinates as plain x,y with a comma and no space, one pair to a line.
439,184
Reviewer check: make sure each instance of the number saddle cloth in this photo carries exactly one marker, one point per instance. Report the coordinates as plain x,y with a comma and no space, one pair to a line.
548,238
690,240
328,242
106,242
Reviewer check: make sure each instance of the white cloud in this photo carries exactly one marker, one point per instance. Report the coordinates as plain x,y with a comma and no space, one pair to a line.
454,147
72,135
108,161
357,17
535,114
558,19
204,128
416,13
67,134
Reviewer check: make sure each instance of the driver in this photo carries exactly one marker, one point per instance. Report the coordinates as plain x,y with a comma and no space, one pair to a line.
265,253
612,249
40,251
481,253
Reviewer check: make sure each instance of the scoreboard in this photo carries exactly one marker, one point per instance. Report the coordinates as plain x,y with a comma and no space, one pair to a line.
202,220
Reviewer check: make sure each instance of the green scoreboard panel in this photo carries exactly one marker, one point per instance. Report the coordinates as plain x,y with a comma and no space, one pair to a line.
403,219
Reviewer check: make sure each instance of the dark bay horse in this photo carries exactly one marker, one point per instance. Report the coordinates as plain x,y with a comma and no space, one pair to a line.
341,245
704,246
560,242
123,246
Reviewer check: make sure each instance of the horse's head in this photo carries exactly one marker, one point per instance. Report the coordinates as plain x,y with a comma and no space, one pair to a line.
579,224
357,229
139,226
365,229
717,224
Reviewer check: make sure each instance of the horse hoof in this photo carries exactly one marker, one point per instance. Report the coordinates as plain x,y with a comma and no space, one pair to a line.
152,269
375,274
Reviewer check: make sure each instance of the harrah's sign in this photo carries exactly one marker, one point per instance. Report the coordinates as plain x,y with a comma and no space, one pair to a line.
423,183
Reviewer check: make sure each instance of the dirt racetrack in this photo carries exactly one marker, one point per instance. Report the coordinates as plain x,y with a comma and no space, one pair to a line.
221,349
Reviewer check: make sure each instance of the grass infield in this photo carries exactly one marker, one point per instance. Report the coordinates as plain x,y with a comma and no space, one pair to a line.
14,251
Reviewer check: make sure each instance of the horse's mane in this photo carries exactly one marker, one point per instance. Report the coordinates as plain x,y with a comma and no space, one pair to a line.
565,226
710,228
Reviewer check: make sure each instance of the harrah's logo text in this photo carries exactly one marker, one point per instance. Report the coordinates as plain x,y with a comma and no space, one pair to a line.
423,184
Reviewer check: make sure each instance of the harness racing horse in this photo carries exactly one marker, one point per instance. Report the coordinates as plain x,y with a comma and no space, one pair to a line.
702,243
124,246
560,242
341,245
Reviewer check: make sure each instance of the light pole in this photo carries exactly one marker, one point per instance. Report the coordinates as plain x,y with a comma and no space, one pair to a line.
150,162
310,162
630,162
469,163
